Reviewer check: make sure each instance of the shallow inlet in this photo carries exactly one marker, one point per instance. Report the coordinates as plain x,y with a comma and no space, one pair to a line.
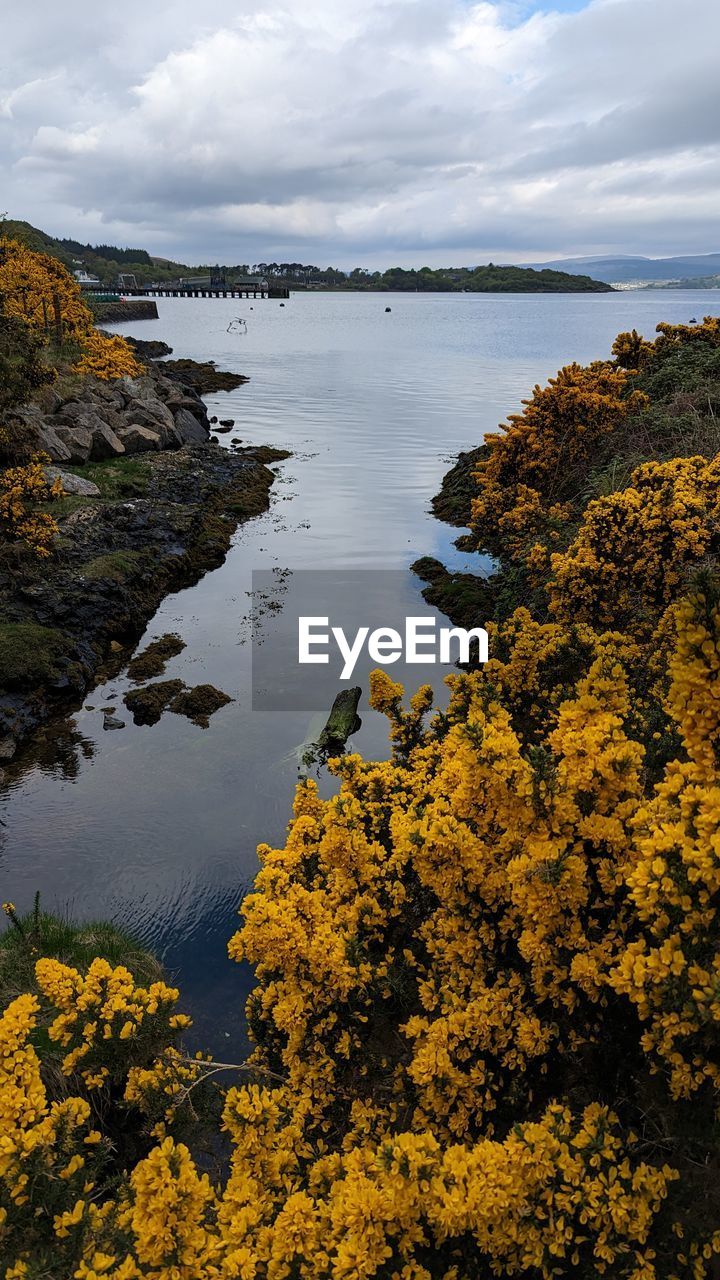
157,827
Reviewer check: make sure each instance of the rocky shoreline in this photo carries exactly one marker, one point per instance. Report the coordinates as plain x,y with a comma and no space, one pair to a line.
150,504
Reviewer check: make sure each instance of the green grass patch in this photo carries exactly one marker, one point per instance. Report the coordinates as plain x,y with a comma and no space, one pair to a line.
30,654
116,565
116,478
64,506
40,933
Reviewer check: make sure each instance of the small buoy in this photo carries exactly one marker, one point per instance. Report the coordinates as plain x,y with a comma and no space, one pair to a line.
388,309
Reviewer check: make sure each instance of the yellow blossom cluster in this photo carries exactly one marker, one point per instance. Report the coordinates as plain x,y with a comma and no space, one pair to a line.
106,356
103,1005
22,490
635,549
527,482
38,289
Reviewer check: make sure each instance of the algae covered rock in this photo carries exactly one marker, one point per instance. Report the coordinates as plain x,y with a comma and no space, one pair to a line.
200,703
146,705
152,661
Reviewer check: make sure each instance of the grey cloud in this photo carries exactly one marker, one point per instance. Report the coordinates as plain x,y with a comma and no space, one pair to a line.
364,131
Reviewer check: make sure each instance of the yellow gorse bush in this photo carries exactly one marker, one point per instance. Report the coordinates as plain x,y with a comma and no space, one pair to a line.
487,1011
39,290
22,490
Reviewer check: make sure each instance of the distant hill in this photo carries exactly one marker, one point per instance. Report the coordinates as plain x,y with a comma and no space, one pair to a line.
489,279
105,261
108,261
623,267
35,239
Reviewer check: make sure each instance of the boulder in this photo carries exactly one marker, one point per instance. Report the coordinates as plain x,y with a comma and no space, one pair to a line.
139,439
170,437
104,392
48,399
77,413
148,413
134,389
72,483
105,443
78,440
112,722
190,430
74,412
50,443
152,349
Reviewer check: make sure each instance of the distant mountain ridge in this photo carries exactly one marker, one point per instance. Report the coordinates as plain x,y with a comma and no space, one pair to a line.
623,267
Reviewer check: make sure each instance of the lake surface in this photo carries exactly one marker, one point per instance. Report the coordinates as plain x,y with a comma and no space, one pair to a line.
157,827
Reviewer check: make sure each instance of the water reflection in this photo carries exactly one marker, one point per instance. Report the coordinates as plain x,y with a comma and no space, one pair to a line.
157,827
57,750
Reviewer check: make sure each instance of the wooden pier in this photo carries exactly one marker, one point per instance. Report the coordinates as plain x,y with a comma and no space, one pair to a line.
240,289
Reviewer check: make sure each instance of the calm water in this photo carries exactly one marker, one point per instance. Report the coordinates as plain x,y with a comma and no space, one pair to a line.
157,827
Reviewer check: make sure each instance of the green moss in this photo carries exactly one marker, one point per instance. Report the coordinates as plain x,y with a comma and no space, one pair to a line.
467,600
30,654
452,504
116,565
117,478
151,662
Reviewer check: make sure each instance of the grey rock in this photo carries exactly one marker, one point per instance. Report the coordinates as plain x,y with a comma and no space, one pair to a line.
79,441
49,399
190,429
49,442
29,414
72,483
139,439
105,443
86,413
8,747
74,412
112,722
113,398
169,436
134,389
149,413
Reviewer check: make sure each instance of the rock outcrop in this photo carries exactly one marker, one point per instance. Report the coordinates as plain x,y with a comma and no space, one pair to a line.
101,420
118,555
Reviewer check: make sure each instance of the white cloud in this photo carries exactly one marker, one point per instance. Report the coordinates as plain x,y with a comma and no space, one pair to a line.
371,130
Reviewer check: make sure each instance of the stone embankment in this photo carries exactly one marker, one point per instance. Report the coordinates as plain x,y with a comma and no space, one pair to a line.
150,504
86,420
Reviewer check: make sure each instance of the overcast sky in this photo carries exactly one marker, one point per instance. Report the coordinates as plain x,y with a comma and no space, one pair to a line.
365,132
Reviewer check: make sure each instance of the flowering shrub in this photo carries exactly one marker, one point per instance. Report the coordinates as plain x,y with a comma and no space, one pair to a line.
38,290
536,463
22,489
487,1011
634,550
106,356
